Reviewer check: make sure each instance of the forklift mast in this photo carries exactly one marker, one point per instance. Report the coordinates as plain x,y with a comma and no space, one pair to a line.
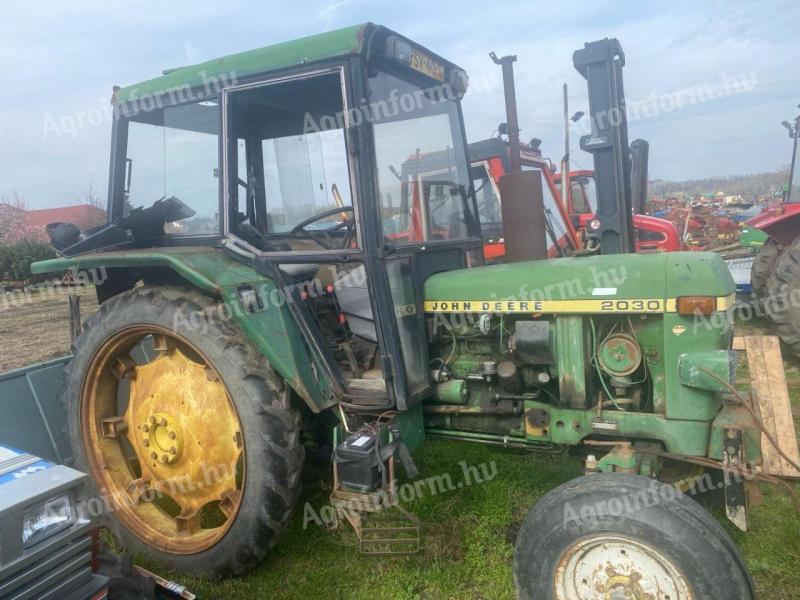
600,63
640,151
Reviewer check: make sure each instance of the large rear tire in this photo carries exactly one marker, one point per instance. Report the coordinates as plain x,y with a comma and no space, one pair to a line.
611,535
763,266
189,435
783,301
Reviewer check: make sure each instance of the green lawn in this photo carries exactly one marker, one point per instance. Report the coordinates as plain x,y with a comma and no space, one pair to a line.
468,535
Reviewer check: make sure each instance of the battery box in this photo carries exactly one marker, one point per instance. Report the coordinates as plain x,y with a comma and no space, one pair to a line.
358,463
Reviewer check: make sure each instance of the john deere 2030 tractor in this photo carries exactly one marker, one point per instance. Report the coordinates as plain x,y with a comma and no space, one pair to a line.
260,281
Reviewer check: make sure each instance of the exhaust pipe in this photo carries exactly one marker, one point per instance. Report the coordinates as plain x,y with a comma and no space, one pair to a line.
522,205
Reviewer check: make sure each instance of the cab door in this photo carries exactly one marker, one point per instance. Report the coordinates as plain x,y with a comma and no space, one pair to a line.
442,235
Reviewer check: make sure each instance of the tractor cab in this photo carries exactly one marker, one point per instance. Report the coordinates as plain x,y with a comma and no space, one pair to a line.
304,173
489,161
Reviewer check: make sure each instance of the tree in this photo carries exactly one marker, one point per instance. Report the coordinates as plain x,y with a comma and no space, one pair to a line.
13,225
90,196
16,259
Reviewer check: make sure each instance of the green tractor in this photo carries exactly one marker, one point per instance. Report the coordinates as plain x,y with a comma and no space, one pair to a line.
260,283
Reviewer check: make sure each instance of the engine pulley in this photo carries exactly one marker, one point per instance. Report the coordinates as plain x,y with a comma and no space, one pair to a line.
619,354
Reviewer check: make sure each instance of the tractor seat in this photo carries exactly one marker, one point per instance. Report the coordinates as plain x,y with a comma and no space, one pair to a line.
353,297
300,272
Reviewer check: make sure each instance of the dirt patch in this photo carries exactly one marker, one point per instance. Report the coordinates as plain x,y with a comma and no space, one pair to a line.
34,326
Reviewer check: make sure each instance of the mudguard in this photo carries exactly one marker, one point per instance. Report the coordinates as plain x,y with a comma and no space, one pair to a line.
267,322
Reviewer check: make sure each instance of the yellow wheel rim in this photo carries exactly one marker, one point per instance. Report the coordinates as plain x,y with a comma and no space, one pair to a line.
163,439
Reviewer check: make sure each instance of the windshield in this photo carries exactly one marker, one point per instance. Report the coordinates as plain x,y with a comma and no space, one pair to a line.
554,220
423,180
489,210
584,198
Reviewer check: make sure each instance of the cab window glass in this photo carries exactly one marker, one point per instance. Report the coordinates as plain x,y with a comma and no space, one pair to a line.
290,162
423,183
174,152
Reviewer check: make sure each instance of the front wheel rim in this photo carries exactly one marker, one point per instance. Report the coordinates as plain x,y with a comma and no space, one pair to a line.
163,439
607,567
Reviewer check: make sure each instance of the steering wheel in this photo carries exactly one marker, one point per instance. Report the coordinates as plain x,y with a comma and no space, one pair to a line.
323,236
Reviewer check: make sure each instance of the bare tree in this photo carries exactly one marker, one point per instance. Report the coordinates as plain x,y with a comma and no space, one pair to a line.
90,196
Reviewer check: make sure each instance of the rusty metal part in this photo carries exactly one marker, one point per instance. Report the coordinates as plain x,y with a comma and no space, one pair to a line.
185,436
609,567
735,497
514,410
524,221
512,122
749,407
392,532
382,526
619,354
748,473
537,420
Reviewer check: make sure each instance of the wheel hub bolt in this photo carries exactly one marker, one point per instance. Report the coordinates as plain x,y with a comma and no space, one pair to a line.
162,435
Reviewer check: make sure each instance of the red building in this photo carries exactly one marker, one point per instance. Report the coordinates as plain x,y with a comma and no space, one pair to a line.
20,224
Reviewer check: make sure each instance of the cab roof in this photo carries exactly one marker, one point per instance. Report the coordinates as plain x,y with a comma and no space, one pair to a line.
340,42
348,41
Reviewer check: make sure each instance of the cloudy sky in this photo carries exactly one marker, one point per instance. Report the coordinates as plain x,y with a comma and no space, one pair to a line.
712,80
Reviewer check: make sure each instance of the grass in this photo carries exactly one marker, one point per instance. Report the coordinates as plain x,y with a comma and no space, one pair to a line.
467,534
468,538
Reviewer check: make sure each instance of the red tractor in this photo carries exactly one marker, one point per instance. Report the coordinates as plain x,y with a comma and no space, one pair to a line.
569,227
775,275
652,234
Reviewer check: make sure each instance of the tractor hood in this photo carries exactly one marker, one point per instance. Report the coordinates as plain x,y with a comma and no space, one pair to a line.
633,283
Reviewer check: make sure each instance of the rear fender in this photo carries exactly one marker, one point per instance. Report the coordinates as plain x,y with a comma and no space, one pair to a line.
271,326
780,224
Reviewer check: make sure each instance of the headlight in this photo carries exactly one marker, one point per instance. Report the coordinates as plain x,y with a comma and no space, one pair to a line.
46,519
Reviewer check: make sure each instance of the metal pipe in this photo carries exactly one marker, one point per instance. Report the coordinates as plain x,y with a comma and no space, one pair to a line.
565,184
796,135
472,410
487,437
512,122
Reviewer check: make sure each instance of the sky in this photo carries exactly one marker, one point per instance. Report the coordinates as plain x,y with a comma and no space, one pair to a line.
710,81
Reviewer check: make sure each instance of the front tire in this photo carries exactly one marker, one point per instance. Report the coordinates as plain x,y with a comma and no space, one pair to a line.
611,535
189,435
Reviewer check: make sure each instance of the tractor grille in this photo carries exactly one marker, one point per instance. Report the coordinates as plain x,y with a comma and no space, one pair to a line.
59,570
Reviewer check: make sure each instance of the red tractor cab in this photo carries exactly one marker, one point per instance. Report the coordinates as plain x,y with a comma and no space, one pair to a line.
424,202
652,234
489,161
570,227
